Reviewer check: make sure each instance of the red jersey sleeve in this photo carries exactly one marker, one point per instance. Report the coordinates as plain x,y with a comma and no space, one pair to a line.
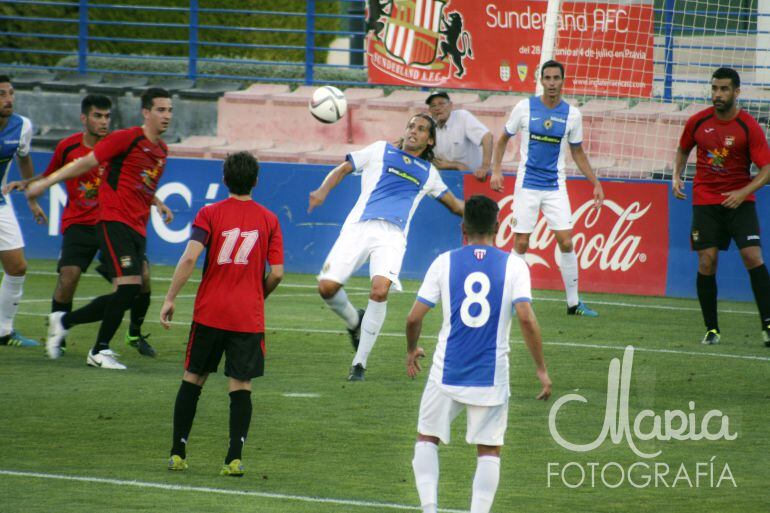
758,149
113,145
202,223
56,160
275,245
687,140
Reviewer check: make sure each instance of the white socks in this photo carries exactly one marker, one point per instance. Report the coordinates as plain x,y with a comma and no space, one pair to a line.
569,274
485,483
370,329
340,304
425,465
11,289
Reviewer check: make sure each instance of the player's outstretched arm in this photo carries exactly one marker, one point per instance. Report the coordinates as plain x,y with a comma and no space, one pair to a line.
530,330
496,182
581,160
184,269
677,182
451,202
71,170
272,279
332,180
413,330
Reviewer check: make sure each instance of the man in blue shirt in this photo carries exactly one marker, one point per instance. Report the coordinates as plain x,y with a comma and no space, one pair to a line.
15,140
477,285
394,179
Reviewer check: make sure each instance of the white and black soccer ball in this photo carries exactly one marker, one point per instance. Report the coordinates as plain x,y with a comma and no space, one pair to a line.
328,104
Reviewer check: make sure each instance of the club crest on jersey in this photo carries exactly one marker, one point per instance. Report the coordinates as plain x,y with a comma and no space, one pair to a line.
479,253
125,262
407,160
547,124
729,140
695,235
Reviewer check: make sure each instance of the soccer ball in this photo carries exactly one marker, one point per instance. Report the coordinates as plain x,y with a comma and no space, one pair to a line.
328,104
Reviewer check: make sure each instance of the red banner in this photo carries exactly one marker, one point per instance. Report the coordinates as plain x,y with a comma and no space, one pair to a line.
605,46
621,248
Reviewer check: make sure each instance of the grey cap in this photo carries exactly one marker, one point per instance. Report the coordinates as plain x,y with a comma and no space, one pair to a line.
433,94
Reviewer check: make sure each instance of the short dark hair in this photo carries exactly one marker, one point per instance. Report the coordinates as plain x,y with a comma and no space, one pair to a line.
4,79
241,170
728,73
97,101
150,94
552,64
480,215
427,153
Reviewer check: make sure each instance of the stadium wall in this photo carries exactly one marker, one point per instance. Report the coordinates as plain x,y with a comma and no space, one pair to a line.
188,184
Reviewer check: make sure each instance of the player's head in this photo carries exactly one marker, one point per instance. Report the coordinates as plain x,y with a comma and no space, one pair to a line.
480,216
420,136
6,96
725,89
439,106
157,109
240,173
95,112
552,77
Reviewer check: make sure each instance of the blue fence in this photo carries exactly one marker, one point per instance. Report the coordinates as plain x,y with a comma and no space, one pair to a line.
677,40
189,184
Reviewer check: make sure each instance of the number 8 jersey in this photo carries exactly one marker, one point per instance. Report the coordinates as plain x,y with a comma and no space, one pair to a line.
477,287
240,236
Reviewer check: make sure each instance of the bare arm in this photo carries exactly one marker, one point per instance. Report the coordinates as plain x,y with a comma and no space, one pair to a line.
450,201
496,183
530,330
733,199
486,157
71,170
332,180
413,330
27,170
163,210
272,279
581,159
677,178
184,269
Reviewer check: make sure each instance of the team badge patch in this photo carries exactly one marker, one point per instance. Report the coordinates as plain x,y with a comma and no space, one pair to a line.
522,70
479,253
505,71
729,140
695,235
125,262
514,222
407,160
326,267
547,124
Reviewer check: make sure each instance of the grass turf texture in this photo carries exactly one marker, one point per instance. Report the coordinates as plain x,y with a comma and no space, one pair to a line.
354,442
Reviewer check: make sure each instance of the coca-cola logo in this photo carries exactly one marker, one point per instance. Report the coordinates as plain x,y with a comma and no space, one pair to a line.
616,249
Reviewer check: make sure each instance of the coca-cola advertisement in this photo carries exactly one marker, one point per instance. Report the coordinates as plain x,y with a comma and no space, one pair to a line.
622,247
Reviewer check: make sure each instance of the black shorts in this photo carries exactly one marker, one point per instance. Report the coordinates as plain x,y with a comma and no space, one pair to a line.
244,352
714,226
123,249
78,247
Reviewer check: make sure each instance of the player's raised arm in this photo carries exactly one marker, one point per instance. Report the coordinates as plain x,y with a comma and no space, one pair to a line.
184,269
71,170
318,196
530,330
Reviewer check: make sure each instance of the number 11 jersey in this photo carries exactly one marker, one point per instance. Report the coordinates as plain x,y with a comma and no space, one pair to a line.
478,287
240,237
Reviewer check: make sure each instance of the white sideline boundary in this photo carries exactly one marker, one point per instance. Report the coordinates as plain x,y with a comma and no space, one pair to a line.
366,290
220,491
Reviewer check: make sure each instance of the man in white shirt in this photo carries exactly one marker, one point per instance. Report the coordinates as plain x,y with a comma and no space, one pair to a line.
394,179
462,141
477,286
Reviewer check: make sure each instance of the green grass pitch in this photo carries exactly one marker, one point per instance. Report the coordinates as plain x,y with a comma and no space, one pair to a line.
75,439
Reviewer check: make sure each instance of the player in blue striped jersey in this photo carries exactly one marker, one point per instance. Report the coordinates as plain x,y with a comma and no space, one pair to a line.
394,179
478,286
549,128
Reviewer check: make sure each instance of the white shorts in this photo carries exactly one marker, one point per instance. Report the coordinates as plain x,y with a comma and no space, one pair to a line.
380,242
10,232
486,424
527,203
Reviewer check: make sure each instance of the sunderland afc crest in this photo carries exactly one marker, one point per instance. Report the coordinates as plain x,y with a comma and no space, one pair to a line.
416,41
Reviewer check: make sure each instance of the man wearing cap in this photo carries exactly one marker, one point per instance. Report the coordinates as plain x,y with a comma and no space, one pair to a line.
462,141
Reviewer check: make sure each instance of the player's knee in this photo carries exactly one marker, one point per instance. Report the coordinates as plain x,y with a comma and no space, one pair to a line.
379,293
328,289
707,265
16,268
68,281
566,246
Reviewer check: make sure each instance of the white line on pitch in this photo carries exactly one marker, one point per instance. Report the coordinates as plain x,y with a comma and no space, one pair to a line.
221,491
555,343
301,394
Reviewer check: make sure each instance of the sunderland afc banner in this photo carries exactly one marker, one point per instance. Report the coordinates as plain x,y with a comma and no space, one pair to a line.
496,45
621,247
